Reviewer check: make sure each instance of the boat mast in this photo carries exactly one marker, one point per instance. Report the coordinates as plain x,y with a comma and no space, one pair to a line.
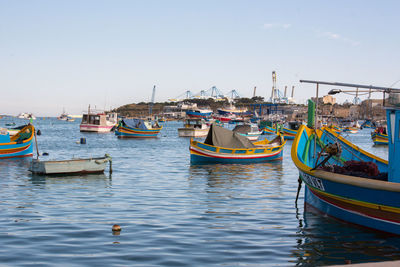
152,101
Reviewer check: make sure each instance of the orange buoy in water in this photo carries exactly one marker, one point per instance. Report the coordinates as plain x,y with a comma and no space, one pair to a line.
116,228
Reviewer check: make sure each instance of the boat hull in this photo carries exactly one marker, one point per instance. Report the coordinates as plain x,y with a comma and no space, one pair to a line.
289,134
201,153
95,128
354,204
75,166
191,132
17,149
380,141
268,130
369,202
198,114
127,132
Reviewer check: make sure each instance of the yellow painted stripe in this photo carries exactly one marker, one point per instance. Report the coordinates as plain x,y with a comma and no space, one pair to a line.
358,202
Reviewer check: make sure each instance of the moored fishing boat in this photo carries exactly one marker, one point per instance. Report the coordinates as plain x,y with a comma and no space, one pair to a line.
250,131
268,130
225,146
19,145
378,140
68,167
194,127
346,182
367,124
349,129
137,128
63,116
98,121
290,131
379,136
199,113
28,116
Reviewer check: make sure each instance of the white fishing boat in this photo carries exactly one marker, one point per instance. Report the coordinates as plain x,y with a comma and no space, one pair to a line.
63,116
98,121
26,116
250,131
194,128
72,166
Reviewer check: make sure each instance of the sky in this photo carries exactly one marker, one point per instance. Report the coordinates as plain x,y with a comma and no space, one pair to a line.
65,55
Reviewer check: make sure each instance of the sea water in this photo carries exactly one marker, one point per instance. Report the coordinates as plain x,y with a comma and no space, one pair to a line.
171,213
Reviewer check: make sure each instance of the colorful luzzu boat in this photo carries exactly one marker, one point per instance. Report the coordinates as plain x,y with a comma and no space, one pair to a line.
367,124
380,141
290,131
268,130
137,128
352,130
379,136
224,146
346,182
289,134
19,145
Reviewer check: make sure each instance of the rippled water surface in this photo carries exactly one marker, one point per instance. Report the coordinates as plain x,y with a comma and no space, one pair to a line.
171,213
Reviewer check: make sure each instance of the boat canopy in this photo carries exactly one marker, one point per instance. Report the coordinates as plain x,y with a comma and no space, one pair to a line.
134,123
219,136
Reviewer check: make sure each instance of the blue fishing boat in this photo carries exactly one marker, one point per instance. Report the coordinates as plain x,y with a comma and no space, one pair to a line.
225,146
199,113
367,124
290,131
346,182
19,145
268,130
137,128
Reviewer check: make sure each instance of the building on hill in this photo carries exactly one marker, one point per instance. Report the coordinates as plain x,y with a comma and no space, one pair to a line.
328,99
372,109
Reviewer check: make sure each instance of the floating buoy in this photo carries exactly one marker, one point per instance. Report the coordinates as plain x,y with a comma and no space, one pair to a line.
116,228
38,132
45,154
83,140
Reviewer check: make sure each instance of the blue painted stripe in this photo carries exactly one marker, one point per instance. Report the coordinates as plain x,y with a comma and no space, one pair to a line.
349,216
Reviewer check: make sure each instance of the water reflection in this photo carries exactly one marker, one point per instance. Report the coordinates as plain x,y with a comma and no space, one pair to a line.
324,240
8,166
229,172
92,179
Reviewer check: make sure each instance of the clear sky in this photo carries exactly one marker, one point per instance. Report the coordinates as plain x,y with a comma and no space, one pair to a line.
72,53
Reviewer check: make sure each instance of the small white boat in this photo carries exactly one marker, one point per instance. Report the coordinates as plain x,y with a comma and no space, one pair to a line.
96,121
194,128
26,116
250,131
63,116
72,166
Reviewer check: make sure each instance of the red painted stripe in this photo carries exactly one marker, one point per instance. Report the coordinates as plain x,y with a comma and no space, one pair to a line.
213,156
351,210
